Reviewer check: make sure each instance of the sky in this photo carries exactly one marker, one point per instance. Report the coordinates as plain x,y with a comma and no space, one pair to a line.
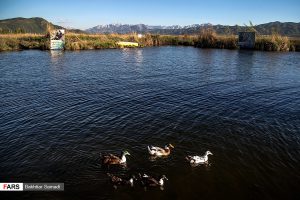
85,14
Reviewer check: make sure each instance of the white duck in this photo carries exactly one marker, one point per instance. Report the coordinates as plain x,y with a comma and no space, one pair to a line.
158,151
198,159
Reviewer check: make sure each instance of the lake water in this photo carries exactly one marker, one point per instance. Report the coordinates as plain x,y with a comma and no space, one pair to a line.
59,111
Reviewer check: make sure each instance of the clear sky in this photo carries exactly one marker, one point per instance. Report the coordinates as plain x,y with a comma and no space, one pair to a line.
86,14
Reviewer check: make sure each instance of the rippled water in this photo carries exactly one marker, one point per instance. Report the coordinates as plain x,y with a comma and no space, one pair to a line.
59,111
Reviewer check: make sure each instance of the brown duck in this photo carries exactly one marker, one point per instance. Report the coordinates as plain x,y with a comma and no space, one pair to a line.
148,181
115,180
111,159
158,151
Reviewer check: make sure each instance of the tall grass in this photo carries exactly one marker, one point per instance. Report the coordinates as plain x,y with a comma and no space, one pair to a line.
295,44
23,41
274,42
207,38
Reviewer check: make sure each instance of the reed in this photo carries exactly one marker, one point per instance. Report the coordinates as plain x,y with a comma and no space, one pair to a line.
22,41
274,42
295,44
207,38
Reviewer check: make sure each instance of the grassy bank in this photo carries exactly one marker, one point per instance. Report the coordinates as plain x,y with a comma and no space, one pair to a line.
100,41
90,41
10,42
275,42
209,39
205,39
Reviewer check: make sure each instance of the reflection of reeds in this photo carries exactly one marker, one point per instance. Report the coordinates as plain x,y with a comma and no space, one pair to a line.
205,39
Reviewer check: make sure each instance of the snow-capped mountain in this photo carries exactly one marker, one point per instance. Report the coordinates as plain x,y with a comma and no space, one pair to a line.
117,28
283,28
142,28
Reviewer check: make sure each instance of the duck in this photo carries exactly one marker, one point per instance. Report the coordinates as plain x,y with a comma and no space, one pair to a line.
158,151
198,159
115,180
111,159
148,181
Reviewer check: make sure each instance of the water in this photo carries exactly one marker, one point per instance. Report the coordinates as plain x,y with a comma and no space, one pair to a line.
59,111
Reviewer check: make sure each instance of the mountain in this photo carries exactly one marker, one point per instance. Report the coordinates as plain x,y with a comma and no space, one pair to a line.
29,25
142,28
39,25
287,28
25,25
283,28
117,28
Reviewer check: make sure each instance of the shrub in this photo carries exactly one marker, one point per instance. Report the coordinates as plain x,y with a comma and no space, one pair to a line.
207,38
274,42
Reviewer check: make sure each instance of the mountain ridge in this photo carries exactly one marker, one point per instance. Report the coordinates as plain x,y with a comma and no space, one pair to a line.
39,25
284,28
28,25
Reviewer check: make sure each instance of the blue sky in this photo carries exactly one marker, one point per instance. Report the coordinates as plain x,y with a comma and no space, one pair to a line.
85,14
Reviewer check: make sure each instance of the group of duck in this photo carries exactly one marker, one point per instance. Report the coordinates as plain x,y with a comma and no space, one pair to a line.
146,180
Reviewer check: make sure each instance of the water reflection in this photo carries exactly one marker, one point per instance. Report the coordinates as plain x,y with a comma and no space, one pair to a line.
56,57
155,158
244,64
55,54
206,165
126,54
139,56
57,60
130,54
274,63
206,56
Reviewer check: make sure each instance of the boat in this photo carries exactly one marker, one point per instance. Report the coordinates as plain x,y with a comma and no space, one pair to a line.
127,44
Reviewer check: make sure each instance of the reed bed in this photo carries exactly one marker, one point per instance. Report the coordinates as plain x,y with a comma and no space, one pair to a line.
205,39
208,38
274,42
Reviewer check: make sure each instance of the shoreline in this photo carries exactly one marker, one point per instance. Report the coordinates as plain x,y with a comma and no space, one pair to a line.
16,42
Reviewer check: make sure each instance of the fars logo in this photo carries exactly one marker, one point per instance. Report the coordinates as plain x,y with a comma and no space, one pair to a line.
11,186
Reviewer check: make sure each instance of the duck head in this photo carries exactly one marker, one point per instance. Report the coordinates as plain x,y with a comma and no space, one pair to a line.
123,157
164,177
169,146
131,179
161,180
208,153
125,153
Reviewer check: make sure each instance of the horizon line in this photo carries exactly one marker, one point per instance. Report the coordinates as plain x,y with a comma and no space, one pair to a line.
120,23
